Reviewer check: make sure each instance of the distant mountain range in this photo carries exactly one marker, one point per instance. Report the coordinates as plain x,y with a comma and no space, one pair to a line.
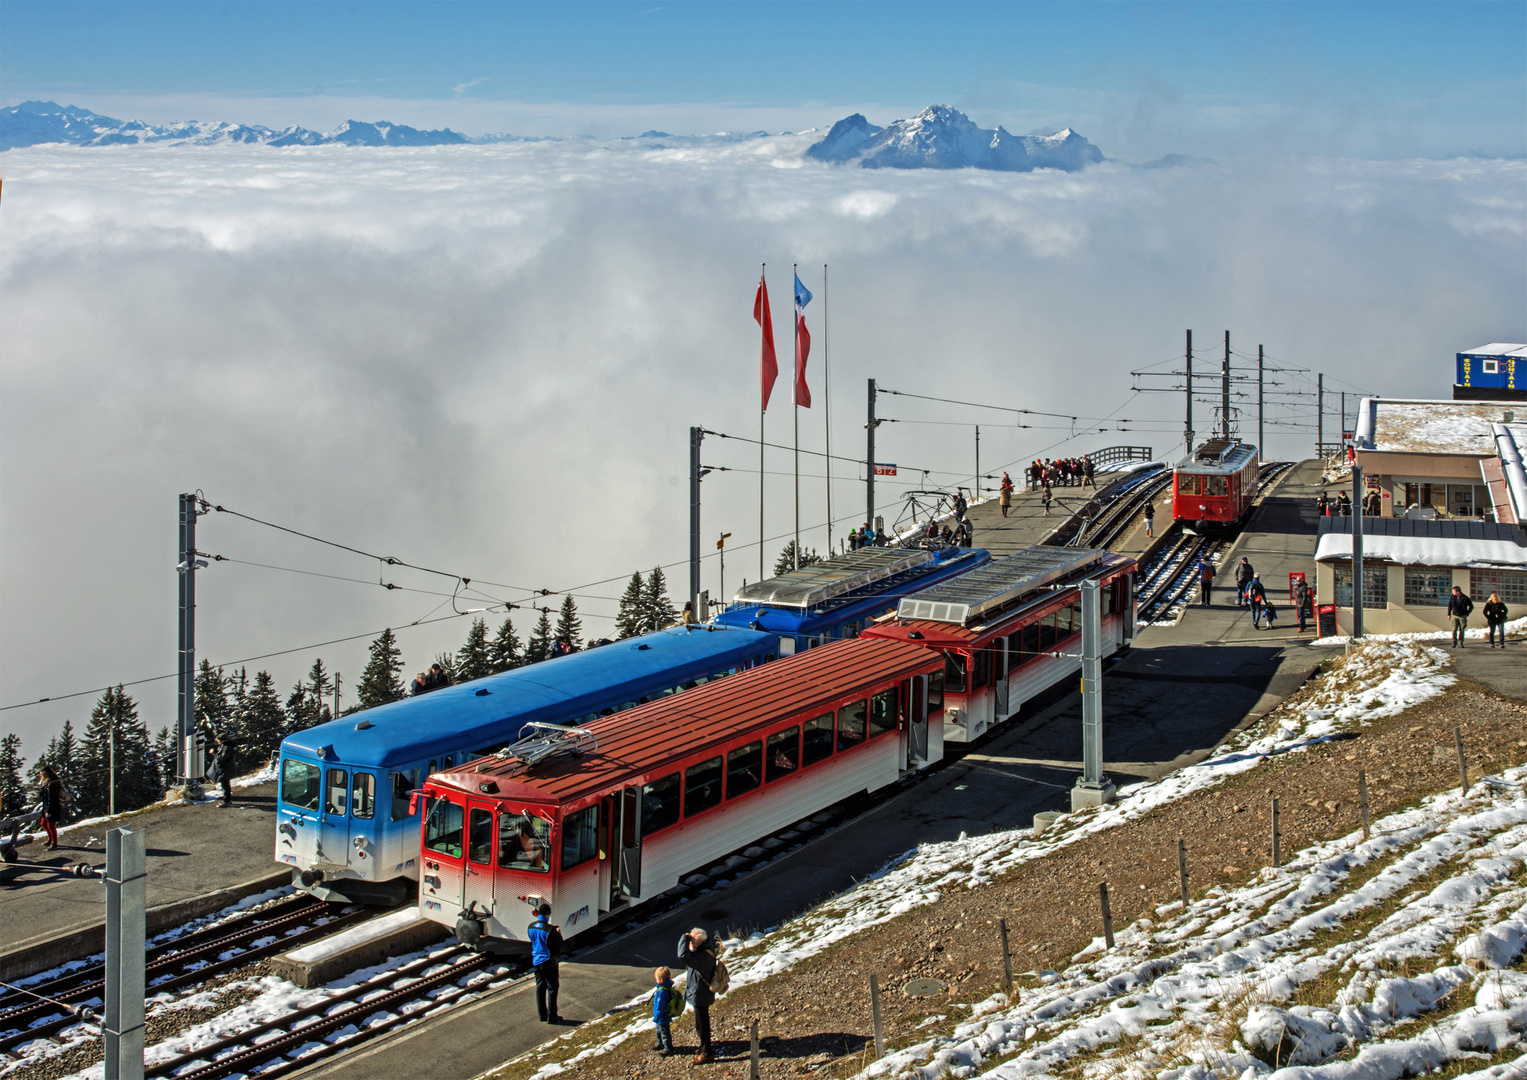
940,137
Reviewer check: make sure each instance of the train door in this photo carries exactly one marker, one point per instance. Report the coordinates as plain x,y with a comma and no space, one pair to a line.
606,845
917,723
481,840
999,677
626,847
334,818
1127,608
443,881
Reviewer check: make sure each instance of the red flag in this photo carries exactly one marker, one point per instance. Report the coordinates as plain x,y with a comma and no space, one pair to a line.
768,364
802,350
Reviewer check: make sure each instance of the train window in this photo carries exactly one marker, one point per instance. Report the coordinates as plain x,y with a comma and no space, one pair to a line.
817,743
442,831
1031,636
480,835
702,786
784,755
1216,485
744,769
336,792
403,784
850,726
523,841
580,837
982,674
1076,617
1063,624
660,804
363,795
299,784
1014,651
1187,484
883,712
936,692
954,672
1046,633
447,761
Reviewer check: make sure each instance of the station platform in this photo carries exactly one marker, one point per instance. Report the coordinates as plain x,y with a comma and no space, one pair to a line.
193,850
1026,523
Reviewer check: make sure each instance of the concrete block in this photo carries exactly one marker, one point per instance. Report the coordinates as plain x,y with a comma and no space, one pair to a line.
1083,797
1044,820
372,942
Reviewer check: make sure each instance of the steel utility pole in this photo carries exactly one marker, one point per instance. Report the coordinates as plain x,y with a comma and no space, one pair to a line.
721,552
336,695
695,435
1224,391
1092,787
1189,424
1357,551
1320,414
869,459
1261,434
1341,428
975,492
188,761
126,897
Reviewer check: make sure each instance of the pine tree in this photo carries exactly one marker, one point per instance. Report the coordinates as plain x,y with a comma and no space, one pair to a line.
786,561
657,610
321,689
137,775
213,709
63,754
538,645
264,721
569,626
165,756
628,620
475,658
504,652
381,682
13,792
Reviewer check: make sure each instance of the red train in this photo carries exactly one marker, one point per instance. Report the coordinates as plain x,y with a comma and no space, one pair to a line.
597,818
1214,488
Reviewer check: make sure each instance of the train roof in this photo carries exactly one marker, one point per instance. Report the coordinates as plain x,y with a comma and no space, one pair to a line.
1218,456
439,722
844,587
641,744
1030,583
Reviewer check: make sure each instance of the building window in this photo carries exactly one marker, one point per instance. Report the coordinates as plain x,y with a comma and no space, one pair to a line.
1490,367
1375,585
1511,584
1427,586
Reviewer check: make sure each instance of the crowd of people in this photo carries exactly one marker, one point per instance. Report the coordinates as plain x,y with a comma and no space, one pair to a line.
1065,472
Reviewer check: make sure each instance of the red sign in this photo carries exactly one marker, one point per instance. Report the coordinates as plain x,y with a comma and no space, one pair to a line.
882,469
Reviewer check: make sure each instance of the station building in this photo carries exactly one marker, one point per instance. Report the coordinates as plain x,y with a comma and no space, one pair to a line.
1426,457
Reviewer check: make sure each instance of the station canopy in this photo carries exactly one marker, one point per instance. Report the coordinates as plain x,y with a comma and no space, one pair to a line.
971,597
814,585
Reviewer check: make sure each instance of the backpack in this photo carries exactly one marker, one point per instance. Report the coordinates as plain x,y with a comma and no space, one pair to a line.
673,1007
721,981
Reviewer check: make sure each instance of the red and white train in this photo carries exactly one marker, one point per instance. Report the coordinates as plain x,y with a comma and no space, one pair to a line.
1214,488
598,818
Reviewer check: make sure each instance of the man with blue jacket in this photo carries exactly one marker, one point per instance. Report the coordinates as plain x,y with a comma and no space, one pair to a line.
545,949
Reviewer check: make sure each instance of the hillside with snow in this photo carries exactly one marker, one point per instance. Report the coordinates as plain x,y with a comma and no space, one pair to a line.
941,137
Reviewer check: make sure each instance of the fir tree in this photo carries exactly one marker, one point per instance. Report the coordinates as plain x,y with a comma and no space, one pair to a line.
321,689
13,792
786,561
538,645
381,682
628,620
137,780
475,658
264,721
657,610
569,626
213,709
165,756
504,652
63,754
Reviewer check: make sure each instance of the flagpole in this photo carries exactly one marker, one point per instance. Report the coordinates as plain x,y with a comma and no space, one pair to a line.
827,403
795,407
761,268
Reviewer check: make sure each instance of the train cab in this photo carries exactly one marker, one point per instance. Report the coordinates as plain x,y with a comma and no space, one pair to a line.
1012,629
1214,487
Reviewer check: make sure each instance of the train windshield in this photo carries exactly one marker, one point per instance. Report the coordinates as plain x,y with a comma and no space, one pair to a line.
954,672
1187,484
442,829
299,784
524,841
1216,485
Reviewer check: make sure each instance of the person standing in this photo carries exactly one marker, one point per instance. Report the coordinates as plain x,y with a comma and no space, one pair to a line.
51,794
225,757
1206,579
1244,575
1495,619
1256,599
1301,602
1045,499
1150,519
1458,608
959,506
545,951
698,952
1322,505
662,1016
1005,498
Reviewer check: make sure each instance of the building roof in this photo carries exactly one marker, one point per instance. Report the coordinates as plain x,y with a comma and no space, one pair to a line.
639,745
1412,542
1496,348
1399,426
1506,478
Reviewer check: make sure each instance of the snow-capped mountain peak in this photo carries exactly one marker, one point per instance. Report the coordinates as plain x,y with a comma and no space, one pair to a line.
942,137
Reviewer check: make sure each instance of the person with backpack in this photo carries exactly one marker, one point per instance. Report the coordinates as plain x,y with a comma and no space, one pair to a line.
1458,608
667,1003
1005,496
50,794
1495,619
706,977
1206,579
1256,599
545,951
1150,519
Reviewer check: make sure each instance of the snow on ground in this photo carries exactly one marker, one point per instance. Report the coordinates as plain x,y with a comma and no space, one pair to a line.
1378,681
1514,628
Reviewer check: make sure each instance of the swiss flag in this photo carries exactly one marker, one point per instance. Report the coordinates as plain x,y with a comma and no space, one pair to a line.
768,363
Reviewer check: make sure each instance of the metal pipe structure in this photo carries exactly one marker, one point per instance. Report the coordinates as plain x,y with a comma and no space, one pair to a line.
1224,389
1092,788
695,435
126,903
1261,433
188,761
869,458
1357,551
1188,426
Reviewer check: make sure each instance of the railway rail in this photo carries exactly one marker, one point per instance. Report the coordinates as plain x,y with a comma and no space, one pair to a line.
1119,515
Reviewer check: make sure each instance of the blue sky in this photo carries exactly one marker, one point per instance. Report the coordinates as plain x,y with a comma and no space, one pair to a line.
1370,79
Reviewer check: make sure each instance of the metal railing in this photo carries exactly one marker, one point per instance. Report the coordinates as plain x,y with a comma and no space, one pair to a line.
1110,456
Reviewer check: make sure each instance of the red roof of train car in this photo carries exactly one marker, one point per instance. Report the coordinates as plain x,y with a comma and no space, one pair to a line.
642,743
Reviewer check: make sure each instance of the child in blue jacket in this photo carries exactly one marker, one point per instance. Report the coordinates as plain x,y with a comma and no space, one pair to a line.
662,1002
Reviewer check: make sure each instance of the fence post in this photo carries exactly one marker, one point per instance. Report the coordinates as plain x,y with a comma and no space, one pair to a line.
122,1015
875,1010
1277,836
1362,798
753,1051
1463,765
1107,914
1182,870
1007,961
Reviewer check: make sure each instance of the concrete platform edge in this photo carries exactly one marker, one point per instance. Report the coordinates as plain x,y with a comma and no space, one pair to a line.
41,953
308,974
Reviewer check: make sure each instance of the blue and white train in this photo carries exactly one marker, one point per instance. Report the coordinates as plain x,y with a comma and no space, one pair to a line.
343,819
839,596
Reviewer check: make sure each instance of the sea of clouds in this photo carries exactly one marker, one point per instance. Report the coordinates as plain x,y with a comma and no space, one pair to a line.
486,359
